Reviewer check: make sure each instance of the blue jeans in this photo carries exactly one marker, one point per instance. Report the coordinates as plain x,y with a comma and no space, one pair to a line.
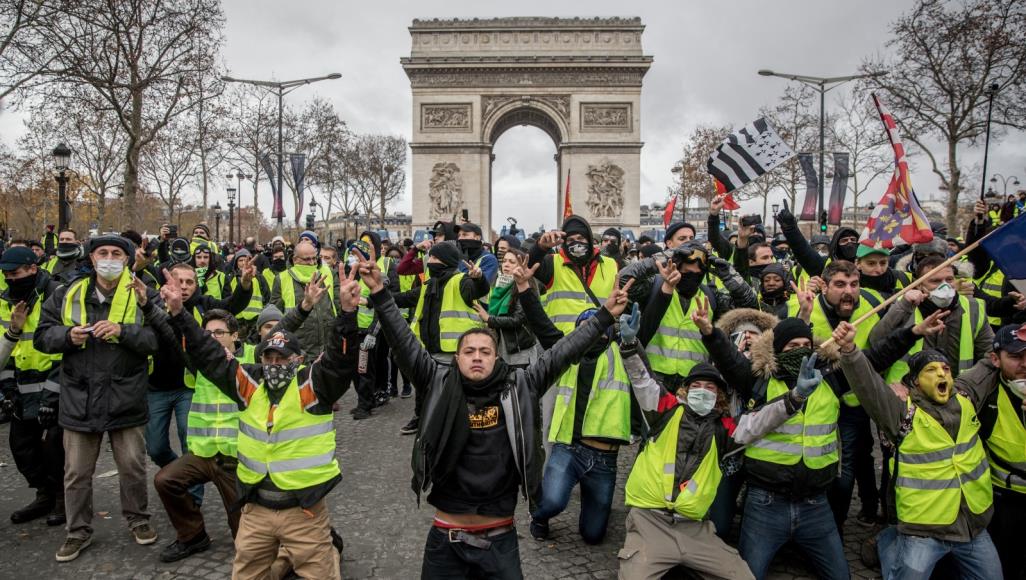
158,430
856,439
595,470
724,505
771,520
904,557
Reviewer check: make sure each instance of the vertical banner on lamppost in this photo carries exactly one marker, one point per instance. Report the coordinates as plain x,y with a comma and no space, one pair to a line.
811,186
298,163
838,188
278,211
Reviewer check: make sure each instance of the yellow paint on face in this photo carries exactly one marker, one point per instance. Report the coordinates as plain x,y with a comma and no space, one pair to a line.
935,382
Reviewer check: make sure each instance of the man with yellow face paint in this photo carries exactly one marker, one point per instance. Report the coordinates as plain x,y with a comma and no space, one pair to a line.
941,495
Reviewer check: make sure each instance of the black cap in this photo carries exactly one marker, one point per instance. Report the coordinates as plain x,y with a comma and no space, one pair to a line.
111,240
17,257
282,341
707,372
1011,338
448,252
469,227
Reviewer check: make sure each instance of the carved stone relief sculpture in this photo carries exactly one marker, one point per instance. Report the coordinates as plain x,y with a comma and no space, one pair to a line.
445,117
606,116
446,189
605,190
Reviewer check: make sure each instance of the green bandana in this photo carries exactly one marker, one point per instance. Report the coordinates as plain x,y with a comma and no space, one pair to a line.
303,272
498,303
790,363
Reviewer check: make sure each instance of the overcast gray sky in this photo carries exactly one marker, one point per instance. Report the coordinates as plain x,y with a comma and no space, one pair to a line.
706,57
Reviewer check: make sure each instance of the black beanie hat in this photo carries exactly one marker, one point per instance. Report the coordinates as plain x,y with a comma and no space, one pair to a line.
577,225
789,329
918,361
448,252
613,232
775,268
705,371
678,226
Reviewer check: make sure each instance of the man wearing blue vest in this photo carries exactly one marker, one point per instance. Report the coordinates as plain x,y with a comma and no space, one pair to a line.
941,481
286,441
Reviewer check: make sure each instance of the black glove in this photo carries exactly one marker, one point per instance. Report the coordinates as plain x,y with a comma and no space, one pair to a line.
47,416
785,218
9,404
720,267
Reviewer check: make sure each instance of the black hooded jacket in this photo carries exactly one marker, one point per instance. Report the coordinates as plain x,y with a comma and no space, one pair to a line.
810,260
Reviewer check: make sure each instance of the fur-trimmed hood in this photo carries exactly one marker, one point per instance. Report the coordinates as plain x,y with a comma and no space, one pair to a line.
730,321
764,363
963,268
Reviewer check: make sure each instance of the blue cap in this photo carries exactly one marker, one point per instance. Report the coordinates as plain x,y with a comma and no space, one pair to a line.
17,257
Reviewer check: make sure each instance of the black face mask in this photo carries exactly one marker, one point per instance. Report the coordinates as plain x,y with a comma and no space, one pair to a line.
847,251
472,248
21,288
579,252
438,270
883,283
67,250
756,271
772,295
278,265
689,283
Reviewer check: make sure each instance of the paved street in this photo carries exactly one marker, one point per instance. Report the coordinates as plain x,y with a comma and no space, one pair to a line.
373,508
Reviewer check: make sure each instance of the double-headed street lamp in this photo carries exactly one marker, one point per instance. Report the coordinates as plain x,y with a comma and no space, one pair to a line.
61,164
231,216
823,85
282,89
997,177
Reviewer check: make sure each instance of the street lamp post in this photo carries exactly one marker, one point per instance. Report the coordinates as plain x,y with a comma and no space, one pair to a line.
1004,182
239,175
822,85
992,91
388,177
61,162
281,89
678,169
775,207
217,221
231,215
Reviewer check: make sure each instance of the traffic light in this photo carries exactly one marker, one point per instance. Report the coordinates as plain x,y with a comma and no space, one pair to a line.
822,222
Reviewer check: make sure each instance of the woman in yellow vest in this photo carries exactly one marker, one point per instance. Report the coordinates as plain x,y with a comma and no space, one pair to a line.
940,475
286,441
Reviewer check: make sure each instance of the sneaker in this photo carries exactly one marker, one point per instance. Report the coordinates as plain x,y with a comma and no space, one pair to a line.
144,534
360,414
866,519
539,530
411,427
180,550
407,391
72,547
41,506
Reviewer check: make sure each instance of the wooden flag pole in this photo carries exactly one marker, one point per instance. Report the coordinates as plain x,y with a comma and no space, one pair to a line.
915,283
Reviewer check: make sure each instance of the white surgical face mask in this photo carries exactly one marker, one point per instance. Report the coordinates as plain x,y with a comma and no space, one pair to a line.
942,295
109,270
1018,386
701,401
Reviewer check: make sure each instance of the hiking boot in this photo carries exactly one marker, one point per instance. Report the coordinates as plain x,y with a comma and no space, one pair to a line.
411,427
407,391
539,530
41,506
144,534
180,550
360,413
72,547
57,516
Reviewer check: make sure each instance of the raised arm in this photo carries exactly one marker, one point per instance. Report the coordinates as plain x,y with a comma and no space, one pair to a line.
809,260
333,372
876,397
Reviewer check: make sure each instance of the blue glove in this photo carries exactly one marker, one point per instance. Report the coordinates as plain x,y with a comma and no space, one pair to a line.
630,324
809,377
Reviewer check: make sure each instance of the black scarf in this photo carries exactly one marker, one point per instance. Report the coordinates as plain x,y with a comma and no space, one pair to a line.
884,283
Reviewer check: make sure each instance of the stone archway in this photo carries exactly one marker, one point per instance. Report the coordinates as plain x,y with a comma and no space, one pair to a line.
578,80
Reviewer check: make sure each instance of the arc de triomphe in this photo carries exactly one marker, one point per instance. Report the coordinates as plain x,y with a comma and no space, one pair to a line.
579,80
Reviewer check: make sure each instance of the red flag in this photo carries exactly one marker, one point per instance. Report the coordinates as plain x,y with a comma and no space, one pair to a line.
568,209
668,212
897,218
728,200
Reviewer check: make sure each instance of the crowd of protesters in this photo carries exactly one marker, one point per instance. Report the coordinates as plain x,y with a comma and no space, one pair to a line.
749,379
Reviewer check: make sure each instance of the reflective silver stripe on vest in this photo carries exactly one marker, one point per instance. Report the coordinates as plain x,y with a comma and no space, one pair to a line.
213,408
564,318
679,332
565,392
287,434
614,385
988,286
287,464
1008,478
6,374
810,430
789,429
943,454
212,432
669,468
935,484
820,429
30,388
459,314
676,354
566,295
790,448
450,335
821,450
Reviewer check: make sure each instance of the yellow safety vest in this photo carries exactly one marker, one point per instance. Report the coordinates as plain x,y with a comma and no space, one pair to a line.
972,324
677,345
49,264
288,289
214,285
406,284
297,451
810,435
213,423
256,300
608,414
25,356
991,284
123,308
652,483
269,276
566,298
454,317
934,472
365,313
1006,445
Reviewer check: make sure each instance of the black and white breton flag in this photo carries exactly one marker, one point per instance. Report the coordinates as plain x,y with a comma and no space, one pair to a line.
747,154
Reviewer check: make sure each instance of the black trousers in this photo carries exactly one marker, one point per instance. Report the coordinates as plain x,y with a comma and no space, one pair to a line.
376,377
442,559
39,454
1006,528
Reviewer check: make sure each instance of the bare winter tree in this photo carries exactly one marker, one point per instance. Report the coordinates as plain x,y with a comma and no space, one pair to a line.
320,134
693,177
857,130
379,171
169,165
945,56
143,57
23,56
250,119
797,123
